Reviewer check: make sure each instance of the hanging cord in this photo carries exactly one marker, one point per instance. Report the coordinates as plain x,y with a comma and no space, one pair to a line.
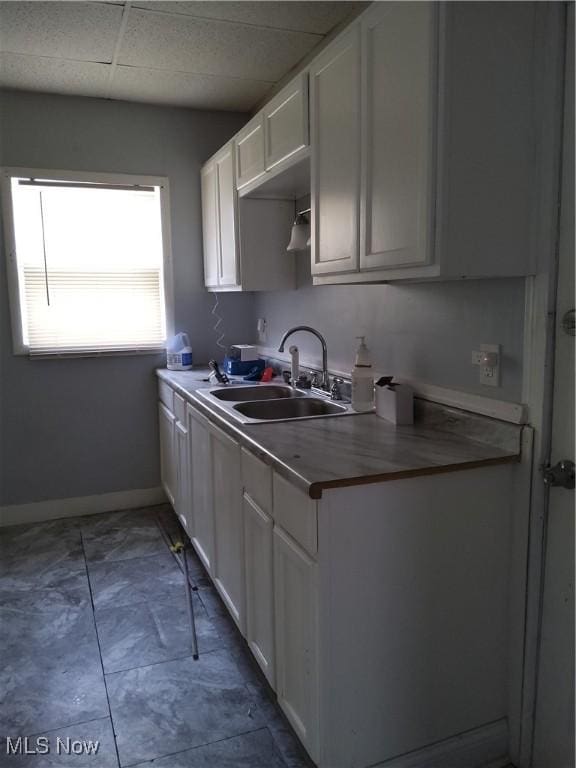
220,333
44,250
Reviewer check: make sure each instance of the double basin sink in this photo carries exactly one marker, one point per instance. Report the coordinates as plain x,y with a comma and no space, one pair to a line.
272,402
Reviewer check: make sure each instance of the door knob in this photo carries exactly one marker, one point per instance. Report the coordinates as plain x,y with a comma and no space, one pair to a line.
561,475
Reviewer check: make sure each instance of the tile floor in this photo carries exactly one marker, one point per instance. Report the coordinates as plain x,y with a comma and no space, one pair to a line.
95,645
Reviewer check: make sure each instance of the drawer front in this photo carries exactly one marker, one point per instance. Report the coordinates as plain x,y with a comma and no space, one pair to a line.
179,408
257,481
166,395
296,513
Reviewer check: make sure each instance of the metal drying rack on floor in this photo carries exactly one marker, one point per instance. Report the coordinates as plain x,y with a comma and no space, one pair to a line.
178,549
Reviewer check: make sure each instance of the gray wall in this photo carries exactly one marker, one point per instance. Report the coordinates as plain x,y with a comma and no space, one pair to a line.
423,331
76,427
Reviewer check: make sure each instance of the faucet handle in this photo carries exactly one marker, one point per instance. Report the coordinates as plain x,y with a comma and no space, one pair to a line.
304,381
335,389
315,378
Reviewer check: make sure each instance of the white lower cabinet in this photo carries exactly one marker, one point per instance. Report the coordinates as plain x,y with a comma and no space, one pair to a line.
258,560
228,568
371,611
166,422
182,501
200,474
295,603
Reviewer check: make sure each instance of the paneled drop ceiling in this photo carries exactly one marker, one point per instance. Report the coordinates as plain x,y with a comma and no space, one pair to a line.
206,54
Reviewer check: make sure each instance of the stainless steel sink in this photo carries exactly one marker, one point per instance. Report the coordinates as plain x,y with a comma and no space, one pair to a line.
263,403
243,394
279,410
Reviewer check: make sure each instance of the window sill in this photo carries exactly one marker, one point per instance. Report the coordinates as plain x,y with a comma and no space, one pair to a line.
155,351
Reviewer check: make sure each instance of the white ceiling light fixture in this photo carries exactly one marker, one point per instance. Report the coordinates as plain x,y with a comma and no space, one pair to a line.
300,235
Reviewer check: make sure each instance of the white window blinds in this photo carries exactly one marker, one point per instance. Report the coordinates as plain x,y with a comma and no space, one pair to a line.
90,266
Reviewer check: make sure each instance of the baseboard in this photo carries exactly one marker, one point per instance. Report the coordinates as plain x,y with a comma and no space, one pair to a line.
484,747
52,509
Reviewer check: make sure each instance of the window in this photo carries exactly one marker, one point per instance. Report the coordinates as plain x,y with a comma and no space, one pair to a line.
86,257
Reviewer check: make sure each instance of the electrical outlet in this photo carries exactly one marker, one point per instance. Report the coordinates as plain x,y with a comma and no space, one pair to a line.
488,360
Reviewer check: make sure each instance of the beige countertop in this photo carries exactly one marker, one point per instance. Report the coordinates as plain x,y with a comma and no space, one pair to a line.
316,454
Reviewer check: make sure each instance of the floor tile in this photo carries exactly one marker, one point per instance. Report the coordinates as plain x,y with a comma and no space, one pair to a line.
152,632
293,753
121,536
51,674
170,707
97,731
117,584
251,750
39,555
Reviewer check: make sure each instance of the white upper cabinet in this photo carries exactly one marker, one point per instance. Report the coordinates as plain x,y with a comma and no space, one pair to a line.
398,132
210,225
448,126
219,221
229,272
286,122
250,152
244,240
335,137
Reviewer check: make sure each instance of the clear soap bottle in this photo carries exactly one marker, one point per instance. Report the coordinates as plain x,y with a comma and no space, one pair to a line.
362,379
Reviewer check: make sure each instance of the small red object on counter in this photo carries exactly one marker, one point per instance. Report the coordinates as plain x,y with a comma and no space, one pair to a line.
267,374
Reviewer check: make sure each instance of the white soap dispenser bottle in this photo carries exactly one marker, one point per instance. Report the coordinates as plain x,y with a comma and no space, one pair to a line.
362,379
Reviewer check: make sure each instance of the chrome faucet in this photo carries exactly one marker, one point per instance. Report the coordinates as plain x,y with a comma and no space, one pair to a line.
325,385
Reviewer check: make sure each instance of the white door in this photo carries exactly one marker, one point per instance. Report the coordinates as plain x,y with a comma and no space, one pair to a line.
554,725
201,482
259,585
250,152
227,217
296,638
210,226
335,131
286,121
228,570
398,103
182,499
167,451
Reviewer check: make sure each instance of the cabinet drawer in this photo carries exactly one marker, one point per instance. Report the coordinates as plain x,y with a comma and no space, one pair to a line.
296,513
166,395
179,408
257,481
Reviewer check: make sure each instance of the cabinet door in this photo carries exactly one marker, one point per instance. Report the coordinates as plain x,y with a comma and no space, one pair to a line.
398,107
210,225
296,638
286,121
167,451
259,586
229,273
335,126
228,570
182,498
250,152
201,491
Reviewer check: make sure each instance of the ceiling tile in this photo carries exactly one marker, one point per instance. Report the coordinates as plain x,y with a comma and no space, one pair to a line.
186,44
32,73
67,30
185,90
318,17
